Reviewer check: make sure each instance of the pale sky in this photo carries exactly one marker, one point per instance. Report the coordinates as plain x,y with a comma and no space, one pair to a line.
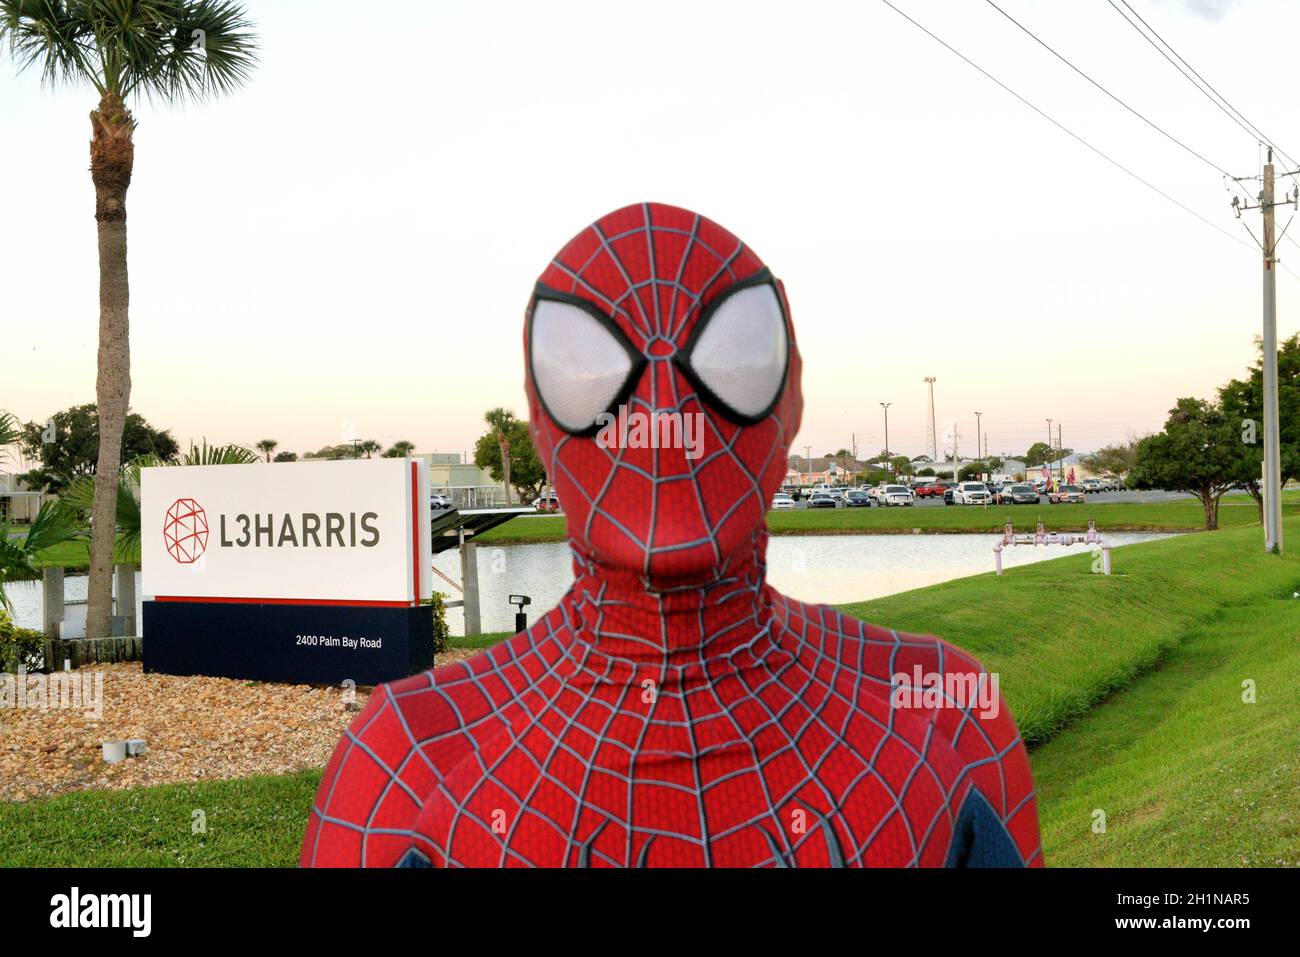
346,245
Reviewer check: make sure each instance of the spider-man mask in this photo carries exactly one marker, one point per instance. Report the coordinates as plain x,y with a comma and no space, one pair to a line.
663,386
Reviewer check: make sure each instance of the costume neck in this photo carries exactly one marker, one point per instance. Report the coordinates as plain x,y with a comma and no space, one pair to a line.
621,614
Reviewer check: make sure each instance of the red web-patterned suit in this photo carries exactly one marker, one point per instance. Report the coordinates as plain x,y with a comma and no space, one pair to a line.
672,709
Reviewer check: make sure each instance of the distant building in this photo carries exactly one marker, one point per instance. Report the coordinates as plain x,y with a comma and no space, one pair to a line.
468,485
18,503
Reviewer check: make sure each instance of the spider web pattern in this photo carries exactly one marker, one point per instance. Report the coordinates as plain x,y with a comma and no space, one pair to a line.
672,709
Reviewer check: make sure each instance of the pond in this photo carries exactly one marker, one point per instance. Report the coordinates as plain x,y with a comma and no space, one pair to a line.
832,569
829,569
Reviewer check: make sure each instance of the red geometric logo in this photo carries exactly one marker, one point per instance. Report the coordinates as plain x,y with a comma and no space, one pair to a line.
185,531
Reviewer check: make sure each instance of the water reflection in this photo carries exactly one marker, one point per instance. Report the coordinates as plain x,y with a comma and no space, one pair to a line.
832,569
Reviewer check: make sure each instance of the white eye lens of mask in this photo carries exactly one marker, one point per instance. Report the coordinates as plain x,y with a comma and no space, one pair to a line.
740,353
579,367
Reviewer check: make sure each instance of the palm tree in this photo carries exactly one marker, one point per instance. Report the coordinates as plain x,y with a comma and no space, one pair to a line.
501,421
368,446
400,450
55,523
171,51
267,446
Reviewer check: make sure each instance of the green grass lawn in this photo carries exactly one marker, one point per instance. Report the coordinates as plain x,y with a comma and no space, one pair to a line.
1128,686
1184,770
251,822
1179,515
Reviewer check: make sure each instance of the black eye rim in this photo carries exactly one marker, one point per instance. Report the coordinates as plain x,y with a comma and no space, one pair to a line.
682,359
543,292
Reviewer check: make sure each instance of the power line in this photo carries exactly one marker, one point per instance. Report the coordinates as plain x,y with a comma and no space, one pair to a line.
1065,129
1066,61
1213,95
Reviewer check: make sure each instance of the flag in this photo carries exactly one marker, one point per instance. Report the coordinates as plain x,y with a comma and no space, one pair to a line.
1070,478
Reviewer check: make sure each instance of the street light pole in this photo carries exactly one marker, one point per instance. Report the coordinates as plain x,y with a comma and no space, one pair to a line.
885,406
978,447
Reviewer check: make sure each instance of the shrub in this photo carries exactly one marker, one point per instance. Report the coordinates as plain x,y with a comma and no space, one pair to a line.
21,646
441,634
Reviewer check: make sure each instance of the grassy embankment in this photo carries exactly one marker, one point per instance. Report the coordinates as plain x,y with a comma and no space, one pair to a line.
1130,686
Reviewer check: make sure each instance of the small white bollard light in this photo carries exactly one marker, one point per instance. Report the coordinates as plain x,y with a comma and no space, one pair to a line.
135,747
114,751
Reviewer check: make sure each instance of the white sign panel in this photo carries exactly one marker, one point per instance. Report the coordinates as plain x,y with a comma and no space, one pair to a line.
353,531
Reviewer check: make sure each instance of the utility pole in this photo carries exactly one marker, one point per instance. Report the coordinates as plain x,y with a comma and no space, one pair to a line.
977,435
1060,455
885,406
930,434
956,459
807,454
1272,443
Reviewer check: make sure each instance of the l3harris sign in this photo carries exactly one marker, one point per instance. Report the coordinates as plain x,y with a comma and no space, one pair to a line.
351,532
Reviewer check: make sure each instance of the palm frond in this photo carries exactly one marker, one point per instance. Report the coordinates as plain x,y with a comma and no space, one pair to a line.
55,523
206,454
171,51
10,432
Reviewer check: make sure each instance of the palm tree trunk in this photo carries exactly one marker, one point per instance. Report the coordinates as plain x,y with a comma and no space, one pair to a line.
505,463
112,156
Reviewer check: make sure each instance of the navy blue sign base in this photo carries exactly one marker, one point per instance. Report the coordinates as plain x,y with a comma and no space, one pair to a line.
298,644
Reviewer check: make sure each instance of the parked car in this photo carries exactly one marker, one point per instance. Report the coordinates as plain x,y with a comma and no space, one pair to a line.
1093,485
439,502
948,495
929,489
821,500
782,501
1066,493
971,493
855,498
1020,494
546,503
995,491
894,495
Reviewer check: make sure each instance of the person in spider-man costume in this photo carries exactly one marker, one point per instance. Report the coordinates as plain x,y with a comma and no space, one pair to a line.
673,709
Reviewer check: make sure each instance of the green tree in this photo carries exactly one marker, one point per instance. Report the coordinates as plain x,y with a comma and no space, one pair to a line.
1117,459
526,476
901,464
333,452
267,446
171,51
367,446
400,450
67,446
286,456
1243,404
1200,451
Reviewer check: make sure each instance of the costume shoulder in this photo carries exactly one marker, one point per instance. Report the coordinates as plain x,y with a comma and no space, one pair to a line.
930,688
411,734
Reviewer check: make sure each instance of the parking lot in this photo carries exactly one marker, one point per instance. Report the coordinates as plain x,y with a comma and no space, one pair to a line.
1101,497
